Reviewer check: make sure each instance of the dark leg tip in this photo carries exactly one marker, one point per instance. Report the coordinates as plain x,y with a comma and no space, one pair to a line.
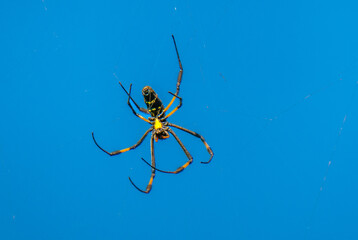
208,161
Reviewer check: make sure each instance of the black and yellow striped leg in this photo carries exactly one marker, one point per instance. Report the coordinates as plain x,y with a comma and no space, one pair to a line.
126,149
130,98
130,105
198,136
180,75
176,108
179,169
149,186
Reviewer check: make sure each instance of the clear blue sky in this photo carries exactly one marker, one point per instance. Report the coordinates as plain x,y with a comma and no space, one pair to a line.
267,83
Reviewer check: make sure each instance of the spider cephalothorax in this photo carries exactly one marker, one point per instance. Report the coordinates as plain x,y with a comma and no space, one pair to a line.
160,128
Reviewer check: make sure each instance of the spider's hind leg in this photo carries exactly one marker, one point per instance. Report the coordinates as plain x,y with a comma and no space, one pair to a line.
181,168
198,136
149,186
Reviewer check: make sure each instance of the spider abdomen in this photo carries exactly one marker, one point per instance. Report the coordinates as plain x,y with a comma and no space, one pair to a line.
154,104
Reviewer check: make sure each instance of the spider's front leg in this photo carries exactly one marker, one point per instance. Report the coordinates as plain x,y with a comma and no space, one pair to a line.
174,110
130,105
180,75
139,108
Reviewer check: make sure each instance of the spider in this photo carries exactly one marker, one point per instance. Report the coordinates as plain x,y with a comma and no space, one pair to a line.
160,128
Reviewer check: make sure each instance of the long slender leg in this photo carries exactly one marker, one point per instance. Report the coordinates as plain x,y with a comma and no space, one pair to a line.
126,149
180,75
176,108
179,169
198,136
139,108
129,96
130,105
149,186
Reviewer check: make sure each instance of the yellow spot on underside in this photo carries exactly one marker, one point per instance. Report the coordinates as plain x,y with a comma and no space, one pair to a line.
157,124
153,109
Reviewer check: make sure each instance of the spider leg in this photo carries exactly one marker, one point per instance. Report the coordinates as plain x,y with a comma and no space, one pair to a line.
198,136
180,74
149,186
130,105
179,169
155,167
126,149
129,97
176,108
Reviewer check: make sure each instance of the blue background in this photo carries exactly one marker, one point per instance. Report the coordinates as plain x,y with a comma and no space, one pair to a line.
267,83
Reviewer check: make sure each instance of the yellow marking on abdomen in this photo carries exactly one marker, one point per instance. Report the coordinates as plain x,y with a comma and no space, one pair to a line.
151,102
